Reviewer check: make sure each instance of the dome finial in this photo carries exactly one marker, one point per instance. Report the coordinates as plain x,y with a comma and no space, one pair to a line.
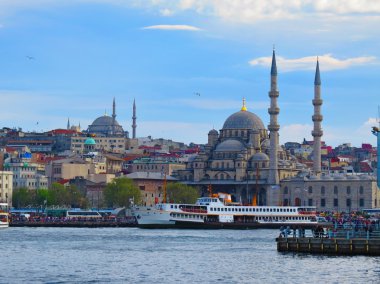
244,107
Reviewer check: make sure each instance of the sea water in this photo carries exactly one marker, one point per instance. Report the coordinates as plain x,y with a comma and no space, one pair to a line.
132,255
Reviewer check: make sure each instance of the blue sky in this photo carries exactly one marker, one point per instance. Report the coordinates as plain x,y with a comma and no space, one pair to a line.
63,59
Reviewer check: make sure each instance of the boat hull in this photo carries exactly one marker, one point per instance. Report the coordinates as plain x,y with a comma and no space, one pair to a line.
221,225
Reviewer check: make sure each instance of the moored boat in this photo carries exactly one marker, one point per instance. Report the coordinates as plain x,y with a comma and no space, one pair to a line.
215,213
4,215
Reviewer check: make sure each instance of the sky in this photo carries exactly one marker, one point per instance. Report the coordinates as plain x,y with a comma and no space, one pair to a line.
189,63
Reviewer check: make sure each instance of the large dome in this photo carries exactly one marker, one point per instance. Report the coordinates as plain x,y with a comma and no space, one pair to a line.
243,120
230,145
104,126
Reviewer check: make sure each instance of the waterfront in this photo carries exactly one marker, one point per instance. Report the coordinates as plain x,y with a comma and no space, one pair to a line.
129,255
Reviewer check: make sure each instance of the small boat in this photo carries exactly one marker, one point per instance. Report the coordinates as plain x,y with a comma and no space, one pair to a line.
216,213
4,215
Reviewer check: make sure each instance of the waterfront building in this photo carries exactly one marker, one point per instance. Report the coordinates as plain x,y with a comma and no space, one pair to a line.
331,192
6,187
155,165
151,185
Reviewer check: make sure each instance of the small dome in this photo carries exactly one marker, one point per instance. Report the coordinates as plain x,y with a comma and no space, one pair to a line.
213,132
89,141
243,120
105,126
230,145
260,157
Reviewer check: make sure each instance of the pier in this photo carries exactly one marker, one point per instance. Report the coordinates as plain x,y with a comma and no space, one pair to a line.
337,240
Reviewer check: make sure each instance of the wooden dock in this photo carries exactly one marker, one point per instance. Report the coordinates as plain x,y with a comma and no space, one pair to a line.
341,241
329,246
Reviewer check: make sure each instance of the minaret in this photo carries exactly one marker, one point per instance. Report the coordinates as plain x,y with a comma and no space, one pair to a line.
317,119
273,126
134,125
68,123
113,116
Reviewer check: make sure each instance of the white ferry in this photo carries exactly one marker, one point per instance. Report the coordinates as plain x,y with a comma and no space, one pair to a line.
4,215
213,212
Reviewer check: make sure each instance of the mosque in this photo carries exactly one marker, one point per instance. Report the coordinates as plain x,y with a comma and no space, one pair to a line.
104,134
245,160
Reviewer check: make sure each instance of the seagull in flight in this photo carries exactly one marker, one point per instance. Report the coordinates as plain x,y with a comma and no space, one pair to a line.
30,57
197,94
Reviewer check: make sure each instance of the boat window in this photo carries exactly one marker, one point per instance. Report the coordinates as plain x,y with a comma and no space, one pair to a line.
218,209
175,206
229,209
171,206
270,209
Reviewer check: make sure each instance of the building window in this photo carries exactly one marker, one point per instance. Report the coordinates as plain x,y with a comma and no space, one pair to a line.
336,203
335,190
323,202
348,202
361,190
361,202
323,191
286,190
348,190
142,187
310,202
310,190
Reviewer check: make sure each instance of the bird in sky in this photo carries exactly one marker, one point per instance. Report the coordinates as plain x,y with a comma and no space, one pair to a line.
30,57
197,94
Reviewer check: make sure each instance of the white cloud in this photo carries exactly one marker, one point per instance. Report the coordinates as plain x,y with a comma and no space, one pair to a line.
172,28
247,11
295,132
250,11
166,12
327,62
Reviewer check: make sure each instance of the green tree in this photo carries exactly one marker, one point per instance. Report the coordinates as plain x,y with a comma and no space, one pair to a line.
119,192
181,193
21,197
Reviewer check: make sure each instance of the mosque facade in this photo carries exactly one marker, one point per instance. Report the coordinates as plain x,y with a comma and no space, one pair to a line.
245,160
244,157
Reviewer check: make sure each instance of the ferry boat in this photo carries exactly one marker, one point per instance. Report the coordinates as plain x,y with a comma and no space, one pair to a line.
213,212
4,215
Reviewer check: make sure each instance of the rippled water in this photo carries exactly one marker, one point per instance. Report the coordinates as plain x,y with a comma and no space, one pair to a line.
130,255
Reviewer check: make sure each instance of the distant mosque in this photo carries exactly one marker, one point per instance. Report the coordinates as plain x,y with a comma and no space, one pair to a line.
108,126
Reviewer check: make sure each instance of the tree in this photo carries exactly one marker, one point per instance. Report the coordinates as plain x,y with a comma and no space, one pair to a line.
120,191
21,197
181,193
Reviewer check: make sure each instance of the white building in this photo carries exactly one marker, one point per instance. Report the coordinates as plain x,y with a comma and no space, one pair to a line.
6,187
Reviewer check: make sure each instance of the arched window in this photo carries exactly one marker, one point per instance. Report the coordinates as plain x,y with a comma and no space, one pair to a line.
361,190
310,189
348,189
285,190
221,176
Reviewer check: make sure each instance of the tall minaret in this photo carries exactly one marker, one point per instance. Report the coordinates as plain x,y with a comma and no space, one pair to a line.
317,119
68,123
113,116
134,125
273,126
